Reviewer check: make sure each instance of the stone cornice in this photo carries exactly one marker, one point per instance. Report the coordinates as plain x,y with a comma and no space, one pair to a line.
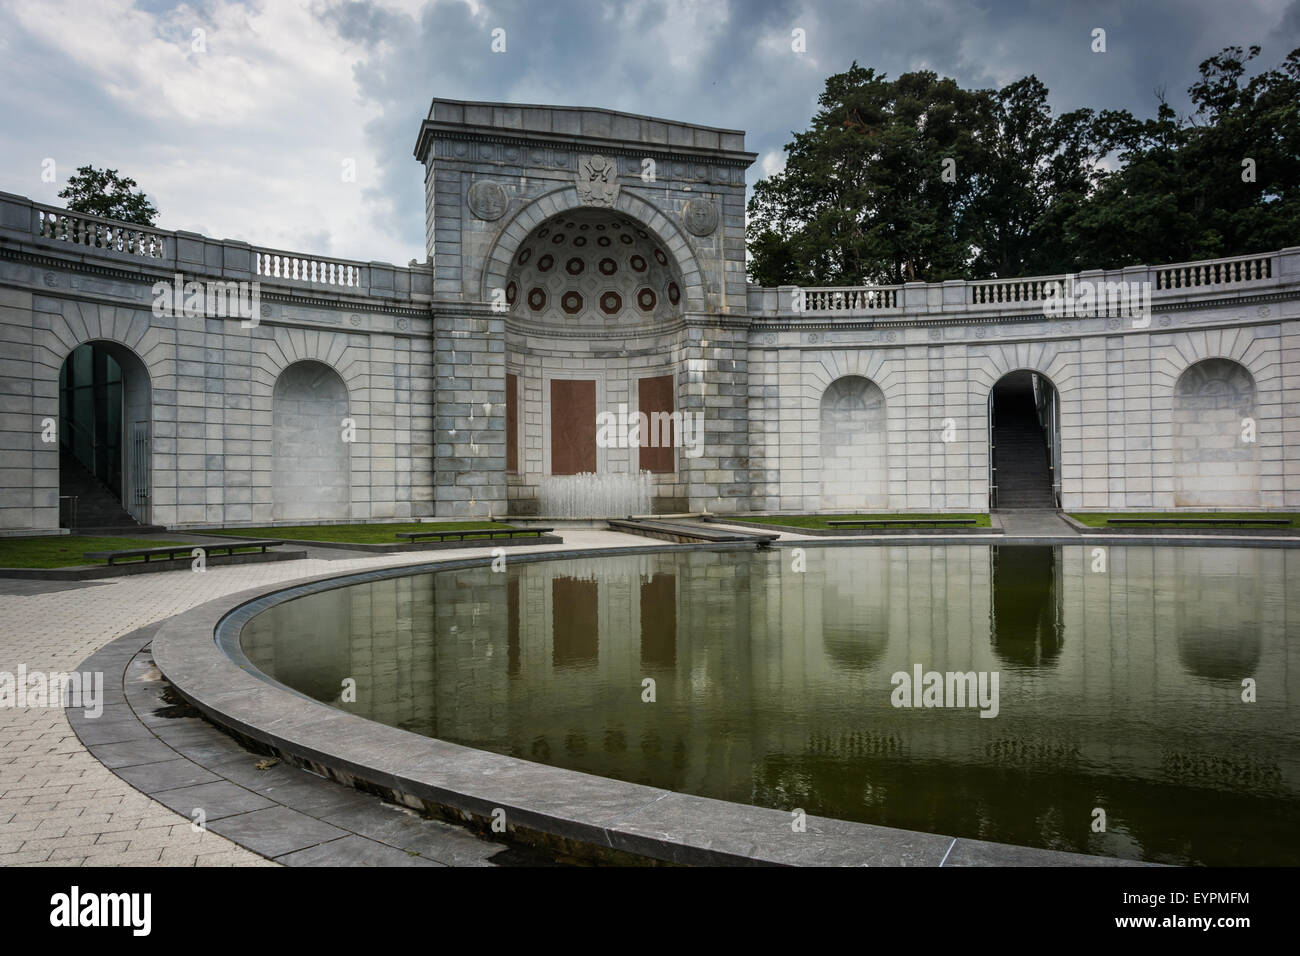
431,130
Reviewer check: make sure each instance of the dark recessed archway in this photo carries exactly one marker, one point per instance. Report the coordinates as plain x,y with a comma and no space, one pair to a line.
1024,442
105,440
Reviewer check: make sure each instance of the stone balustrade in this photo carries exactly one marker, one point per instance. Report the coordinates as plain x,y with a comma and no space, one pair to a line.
1215,272
93,232
863,299
49,230
1012,291
1233,274
293,267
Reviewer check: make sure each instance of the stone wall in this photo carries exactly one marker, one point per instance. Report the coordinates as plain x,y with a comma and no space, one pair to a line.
211,380
1154,411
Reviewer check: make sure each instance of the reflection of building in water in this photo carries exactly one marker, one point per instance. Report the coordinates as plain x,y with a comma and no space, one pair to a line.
1027,604
773,686
1218,627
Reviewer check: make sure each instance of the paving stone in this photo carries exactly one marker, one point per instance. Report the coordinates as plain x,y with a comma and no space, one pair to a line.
133,752
216,800
354,851
276,830
166,775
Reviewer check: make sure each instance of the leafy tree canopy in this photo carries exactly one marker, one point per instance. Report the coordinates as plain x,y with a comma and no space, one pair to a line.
918,179
102,192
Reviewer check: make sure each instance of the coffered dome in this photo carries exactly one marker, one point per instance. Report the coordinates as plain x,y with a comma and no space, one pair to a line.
593,268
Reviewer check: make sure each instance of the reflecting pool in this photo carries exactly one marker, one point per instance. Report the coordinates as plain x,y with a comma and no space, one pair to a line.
1119,683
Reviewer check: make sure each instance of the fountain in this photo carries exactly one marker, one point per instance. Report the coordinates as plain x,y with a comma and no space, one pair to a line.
589,495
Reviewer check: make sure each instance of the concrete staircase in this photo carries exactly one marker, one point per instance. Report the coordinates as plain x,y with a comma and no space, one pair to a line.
98,510
1023,476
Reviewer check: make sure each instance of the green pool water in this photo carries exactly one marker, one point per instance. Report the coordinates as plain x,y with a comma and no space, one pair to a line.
1119,684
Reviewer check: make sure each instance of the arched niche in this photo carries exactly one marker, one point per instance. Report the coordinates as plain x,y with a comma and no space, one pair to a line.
854,450
1214,415
311,461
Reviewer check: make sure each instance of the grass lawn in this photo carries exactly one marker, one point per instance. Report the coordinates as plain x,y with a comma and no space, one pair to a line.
1098,519
357,533
820,521
67,550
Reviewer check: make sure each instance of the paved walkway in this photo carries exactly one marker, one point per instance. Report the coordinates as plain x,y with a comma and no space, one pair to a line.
59,806
1029,522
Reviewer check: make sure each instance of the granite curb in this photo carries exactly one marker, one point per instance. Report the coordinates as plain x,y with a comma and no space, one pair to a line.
285,813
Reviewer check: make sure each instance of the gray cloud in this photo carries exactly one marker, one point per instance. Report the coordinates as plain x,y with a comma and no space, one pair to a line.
722,64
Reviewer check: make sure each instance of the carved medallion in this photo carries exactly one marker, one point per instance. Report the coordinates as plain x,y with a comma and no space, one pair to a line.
487,200
700,216
597,181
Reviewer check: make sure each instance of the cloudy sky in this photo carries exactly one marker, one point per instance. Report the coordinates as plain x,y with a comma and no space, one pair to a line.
241,130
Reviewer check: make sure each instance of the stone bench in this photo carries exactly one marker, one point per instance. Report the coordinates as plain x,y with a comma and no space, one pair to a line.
1244,522
184,550
476,533
894,522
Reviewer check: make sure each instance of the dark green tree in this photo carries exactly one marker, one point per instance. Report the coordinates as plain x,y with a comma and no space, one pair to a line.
1035,170
1223,181
862,197
102,192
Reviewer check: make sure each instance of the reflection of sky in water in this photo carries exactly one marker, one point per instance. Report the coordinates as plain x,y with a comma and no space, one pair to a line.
1119,689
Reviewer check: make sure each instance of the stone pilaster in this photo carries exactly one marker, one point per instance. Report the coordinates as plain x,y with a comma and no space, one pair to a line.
469,468
715,359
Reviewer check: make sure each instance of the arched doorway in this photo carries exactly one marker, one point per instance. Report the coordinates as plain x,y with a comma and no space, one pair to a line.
1216,454
311,471
1024,442
104,438
854,460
